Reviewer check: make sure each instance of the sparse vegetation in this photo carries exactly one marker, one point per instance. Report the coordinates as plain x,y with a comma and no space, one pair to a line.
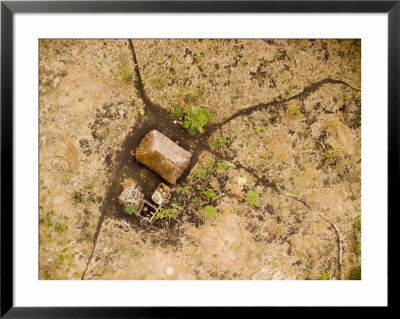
252,198
177,111
126,75
326,275
201,173
357,223
266,181
210,193
218,143
195,119
222,166
332,153
295,112
210,211
354,274
166,215
129,209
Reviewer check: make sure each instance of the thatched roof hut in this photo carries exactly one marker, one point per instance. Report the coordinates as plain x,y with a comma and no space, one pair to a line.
163,156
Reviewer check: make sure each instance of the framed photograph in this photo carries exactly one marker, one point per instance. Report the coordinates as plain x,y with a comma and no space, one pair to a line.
162,155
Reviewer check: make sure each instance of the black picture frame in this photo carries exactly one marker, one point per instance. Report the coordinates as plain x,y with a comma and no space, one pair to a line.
9,8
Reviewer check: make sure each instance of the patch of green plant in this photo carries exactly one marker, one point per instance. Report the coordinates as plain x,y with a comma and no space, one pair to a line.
252,198
294,111
357,248
129,209
125,75
141,111
46,275
168,214
331,153
218,143
133,252
354,274
46,220
325,276
177,111
210,193
210,211
201,173
195,118
60,228
222,166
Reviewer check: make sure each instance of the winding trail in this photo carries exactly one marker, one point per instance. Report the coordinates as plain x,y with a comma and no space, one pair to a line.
197,144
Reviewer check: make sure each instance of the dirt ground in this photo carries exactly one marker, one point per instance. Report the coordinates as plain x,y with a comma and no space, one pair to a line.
279,161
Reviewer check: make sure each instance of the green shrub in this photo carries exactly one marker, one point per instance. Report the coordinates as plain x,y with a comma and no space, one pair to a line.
46,275
167,215
195,118
201,173
331,154
354,274
210,193
177,111
294,111
126,75
325,276
60,228
129,209
357,248
210,211
218,143
222,166
252,198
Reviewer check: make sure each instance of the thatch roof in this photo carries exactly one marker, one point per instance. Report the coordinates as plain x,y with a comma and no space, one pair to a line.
163,156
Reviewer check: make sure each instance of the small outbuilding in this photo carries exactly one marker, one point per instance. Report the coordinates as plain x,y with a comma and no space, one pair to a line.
163,156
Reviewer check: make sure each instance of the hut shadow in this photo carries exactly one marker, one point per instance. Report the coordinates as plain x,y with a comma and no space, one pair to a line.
125,165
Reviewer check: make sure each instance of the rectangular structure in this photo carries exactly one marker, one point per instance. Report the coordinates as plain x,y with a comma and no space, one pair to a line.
163,156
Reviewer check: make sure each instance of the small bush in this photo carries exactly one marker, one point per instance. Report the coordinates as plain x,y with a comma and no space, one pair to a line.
210,193
210,211
201,173
252,198
325,276
177,111
294,111
222,166
60,228
126,75
129,209
46,275
195,118
218,143
331,154
166,215
354,274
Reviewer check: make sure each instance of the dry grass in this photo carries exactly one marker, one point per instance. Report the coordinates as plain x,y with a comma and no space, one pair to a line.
309,147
